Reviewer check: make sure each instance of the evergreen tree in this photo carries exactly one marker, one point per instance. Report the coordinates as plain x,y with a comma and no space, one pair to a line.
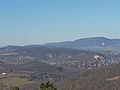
14,88
47,86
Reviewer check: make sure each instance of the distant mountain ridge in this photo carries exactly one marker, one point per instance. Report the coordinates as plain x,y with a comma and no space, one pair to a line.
91,43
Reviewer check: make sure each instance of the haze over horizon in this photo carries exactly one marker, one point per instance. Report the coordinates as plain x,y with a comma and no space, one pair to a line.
25,22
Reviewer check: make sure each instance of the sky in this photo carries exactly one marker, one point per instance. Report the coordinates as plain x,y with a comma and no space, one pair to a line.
24,22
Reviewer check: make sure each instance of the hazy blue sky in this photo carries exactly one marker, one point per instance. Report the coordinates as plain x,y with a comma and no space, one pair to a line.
40,21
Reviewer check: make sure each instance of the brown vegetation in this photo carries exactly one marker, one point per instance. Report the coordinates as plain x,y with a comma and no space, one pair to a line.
104,78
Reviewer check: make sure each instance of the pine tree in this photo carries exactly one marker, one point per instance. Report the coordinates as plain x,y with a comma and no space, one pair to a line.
14,88
47,86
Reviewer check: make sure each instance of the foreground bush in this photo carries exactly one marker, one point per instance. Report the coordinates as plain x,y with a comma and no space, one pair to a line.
47,86
14,88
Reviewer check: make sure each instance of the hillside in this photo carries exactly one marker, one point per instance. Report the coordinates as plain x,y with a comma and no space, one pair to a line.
81,59
104,78
55,62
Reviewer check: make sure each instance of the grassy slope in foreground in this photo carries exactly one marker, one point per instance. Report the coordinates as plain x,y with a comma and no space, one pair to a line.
104,78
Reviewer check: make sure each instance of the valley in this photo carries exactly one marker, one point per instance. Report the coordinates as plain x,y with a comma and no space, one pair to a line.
38,64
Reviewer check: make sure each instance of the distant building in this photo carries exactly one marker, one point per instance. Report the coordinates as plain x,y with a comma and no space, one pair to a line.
96,57
3,73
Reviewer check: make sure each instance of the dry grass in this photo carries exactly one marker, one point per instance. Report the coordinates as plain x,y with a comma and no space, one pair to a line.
113,78
8,53
14,81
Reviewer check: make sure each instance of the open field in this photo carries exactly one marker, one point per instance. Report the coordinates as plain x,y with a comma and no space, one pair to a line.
8,53
12,79
19,82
